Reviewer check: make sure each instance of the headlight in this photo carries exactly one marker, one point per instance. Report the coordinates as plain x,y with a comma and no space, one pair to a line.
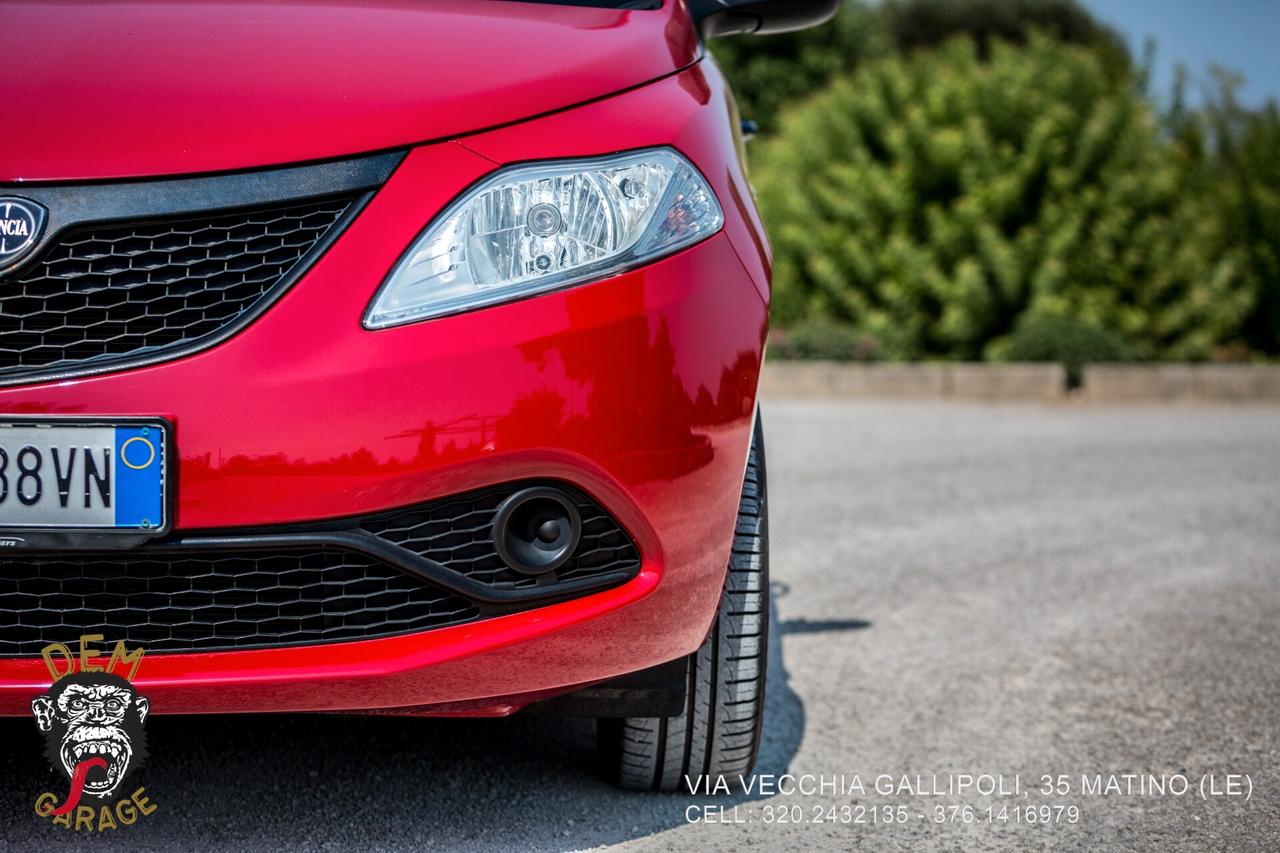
531,229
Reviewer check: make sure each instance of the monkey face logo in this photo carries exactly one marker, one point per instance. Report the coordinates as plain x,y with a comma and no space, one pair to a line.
93,726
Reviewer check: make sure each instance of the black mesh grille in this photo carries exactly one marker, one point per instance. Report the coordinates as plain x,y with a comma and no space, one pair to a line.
119,290
200,602
455,532
172,599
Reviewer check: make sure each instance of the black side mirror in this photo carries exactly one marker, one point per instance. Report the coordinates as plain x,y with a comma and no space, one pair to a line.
733,17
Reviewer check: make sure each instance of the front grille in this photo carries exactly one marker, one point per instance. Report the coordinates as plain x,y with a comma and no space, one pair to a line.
117,291
215,601
171,597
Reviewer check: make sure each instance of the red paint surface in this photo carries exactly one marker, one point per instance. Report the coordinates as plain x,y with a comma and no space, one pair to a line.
123,89
640,389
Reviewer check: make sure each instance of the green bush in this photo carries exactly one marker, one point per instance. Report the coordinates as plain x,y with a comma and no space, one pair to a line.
821,338
769,73
1066,341
933,200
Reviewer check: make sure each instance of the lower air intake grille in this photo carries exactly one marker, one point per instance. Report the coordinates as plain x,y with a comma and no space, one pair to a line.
200,602
171,597
455,532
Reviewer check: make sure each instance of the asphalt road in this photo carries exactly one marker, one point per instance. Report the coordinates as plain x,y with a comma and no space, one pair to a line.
1014,591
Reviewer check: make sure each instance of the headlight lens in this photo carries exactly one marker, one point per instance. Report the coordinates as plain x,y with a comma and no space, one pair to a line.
531,229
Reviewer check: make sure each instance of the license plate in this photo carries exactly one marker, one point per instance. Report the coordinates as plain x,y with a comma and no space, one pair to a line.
83,474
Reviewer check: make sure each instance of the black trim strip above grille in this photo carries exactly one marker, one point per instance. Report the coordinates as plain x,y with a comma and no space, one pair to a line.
73,205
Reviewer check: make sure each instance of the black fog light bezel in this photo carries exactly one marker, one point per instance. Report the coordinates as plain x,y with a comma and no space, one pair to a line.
516,525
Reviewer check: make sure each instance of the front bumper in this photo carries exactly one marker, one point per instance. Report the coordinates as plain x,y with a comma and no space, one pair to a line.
638,390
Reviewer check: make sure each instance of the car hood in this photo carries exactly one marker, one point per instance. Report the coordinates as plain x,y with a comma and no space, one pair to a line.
99,90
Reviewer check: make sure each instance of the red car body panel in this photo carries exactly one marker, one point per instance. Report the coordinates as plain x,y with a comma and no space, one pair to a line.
123,90
639,389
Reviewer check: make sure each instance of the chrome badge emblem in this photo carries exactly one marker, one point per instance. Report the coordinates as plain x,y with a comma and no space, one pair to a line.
21,223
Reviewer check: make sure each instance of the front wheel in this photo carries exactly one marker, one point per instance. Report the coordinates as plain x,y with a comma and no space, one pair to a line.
718,734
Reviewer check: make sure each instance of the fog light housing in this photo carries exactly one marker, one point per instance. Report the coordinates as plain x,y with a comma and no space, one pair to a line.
537,530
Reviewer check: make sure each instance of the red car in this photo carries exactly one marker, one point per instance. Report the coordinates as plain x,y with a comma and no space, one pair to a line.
392,357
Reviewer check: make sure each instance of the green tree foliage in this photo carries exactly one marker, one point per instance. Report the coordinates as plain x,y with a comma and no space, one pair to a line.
935,200
767,73
929,23
1245,156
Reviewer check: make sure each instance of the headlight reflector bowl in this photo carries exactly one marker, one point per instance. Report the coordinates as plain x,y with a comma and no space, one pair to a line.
544,226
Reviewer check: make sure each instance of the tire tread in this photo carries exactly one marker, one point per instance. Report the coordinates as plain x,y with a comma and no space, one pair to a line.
718,735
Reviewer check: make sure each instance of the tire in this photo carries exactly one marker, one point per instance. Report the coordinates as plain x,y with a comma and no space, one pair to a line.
718,735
